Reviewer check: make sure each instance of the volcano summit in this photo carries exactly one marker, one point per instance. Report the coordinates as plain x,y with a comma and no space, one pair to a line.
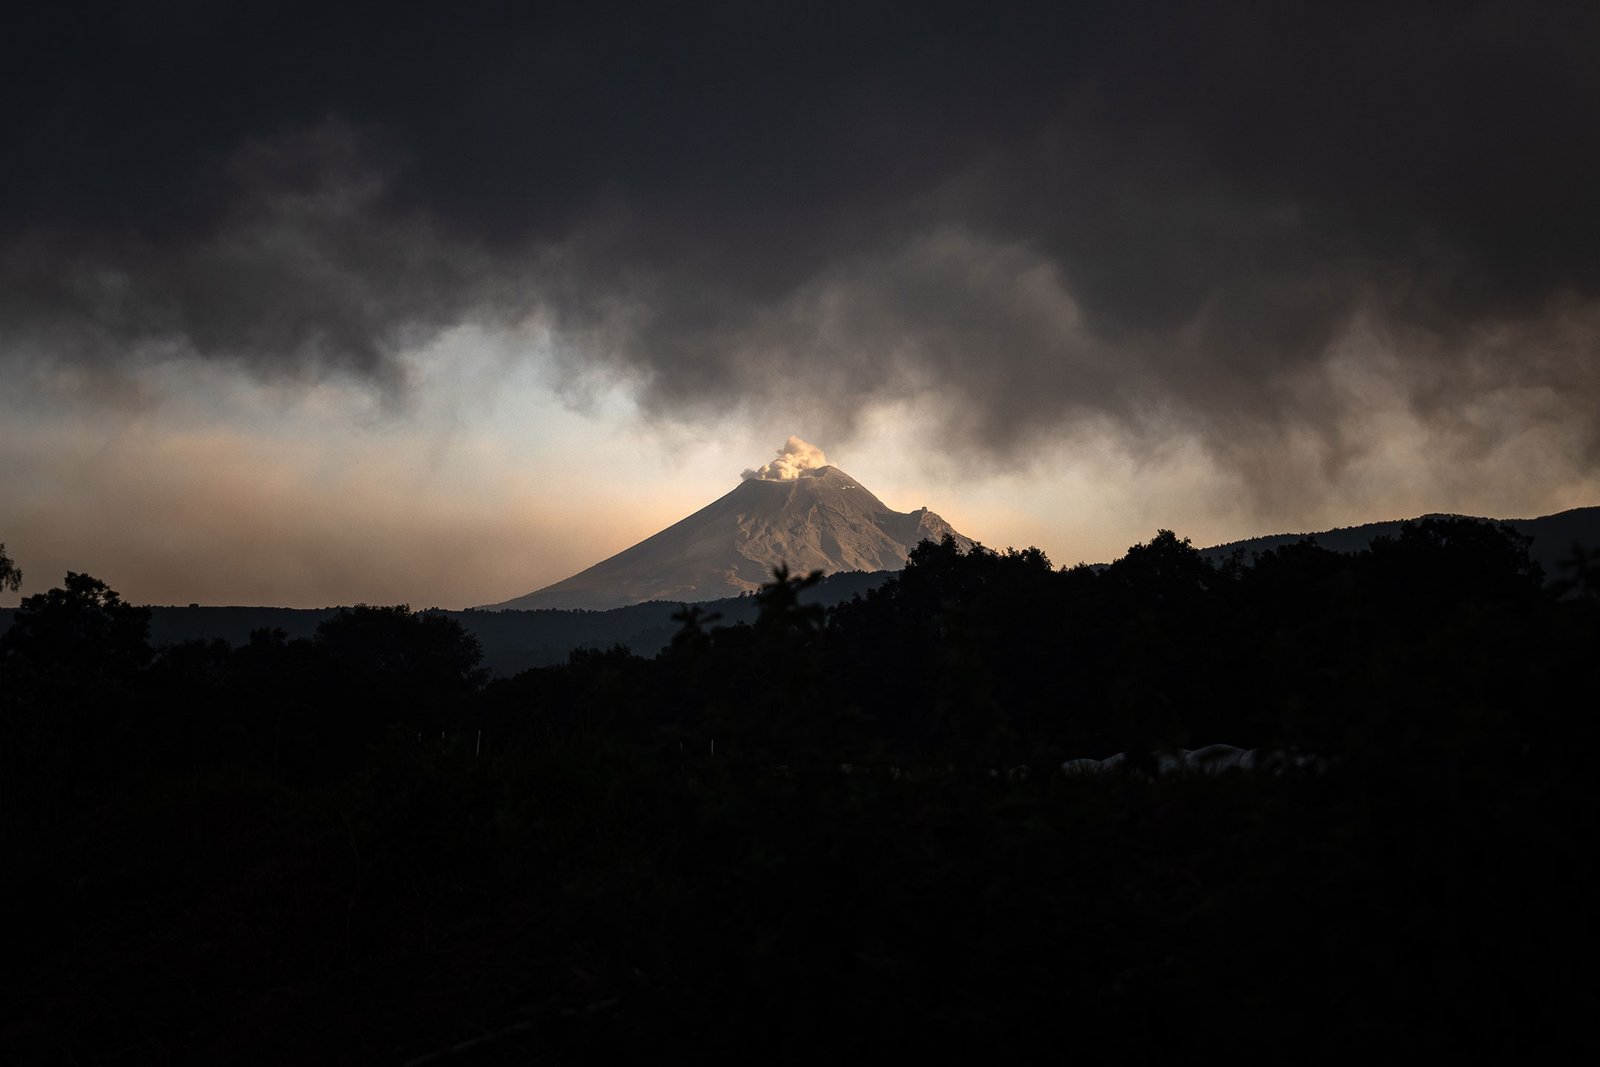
796,510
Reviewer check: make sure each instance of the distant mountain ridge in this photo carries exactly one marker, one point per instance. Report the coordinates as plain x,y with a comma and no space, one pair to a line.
512,641
1552,536
515,640
822,519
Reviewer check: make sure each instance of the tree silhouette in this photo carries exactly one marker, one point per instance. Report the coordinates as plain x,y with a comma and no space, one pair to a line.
1166,571
418,650
1582,573
80,629
10,573
1436,564
390,665
691,640
781,612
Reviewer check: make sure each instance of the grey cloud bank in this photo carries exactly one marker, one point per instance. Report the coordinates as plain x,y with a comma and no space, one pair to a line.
1251,224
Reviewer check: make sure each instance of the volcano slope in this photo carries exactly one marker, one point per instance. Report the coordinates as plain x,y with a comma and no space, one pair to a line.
821,520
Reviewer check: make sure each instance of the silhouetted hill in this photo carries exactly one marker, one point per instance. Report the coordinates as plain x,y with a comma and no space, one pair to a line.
1553,537
169,625
512,641
515,641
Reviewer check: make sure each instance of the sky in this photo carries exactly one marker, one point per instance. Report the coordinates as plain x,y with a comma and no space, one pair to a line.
306,305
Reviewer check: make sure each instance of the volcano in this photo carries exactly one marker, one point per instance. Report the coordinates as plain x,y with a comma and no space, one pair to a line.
816,518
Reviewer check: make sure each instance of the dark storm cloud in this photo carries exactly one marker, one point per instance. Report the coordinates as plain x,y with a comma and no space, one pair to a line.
304,271
1168,214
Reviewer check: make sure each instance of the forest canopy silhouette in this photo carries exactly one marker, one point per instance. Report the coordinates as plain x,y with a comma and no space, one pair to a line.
828,825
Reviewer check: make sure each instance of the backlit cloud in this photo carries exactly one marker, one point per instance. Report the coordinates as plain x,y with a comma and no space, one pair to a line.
1270,233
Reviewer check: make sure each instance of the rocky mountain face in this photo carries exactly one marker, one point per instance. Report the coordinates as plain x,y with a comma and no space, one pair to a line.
821,519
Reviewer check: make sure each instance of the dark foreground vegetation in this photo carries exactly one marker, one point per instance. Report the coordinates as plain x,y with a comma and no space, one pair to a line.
840,833
511,641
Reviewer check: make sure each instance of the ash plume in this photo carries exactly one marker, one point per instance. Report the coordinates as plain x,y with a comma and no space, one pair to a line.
793,460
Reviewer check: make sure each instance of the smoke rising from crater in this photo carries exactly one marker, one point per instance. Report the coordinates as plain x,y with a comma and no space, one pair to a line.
794,459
